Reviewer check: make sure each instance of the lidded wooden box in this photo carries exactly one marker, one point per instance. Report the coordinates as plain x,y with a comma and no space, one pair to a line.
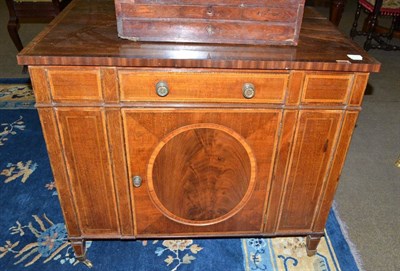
272,22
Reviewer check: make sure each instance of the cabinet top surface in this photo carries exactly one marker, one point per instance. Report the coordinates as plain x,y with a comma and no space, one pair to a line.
85,33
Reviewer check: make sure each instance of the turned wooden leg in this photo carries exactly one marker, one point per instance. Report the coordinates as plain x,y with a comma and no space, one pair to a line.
312,244
79,246
353,31
372,23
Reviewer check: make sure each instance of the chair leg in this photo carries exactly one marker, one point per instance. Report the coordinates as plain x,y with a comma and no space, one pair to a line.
336,11
353,31
12,27
392,27
371,29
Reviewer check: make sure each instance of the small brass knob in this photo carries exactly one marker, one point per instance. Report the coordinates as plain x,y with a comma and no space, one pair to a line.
137,181
249,90
162,89
210,11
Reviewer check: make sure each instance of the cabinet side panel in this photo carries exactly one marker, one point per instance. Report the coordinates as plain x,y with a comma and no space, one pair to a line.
40,84
281,167
115,132
54,149
315,138
84,136
333,179
359,86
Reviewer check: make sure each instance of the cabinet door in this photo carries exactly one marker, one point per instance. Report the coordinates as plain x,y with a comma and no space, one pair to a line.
203,171
84,138
313,148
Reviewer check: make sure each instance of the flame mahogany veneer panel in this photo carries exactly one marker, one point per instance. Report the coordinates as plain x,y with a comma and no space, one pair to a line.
253,134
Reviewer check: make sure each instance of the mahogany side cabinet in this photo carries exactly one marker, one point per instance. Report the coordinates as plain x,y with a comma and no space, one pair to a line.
175,140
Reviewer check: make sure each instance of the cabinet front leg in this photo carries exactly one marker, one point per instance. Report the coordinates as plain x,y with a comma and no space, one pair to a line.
79,246
312,242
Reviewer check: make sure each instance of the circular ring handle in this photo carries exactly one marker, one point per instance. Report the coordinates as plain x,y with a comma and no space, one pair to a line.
162,89
137,181
249,90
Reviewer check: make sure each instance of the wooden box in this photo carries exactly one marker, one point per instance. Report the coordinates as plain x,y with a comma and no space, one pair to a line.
273,22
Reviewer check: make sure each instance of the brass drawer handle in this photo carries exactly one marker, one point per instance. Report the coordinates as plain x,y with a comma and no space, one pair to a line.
137,181
249,90
162,89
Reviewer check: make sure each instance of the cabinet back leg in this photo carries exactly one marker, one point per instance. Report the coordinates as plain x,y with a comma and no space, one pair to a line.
312,244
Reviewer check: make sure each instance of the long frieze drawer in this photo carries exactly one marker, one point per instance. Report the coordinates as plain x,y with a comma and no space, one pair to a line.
202,87
72,84
327,88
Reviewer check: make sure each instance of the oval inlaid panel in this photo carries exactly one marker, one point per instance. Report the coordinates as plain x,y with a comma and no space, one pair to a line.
201,174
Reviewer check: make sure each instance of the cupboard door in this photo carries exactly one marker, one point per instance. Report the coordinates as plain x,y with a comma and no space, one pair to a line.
84,138
202,171
313,147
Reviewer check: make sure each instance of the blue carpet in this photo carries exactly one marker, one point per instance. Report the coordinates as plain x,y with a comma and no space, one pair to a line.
33,235
15,80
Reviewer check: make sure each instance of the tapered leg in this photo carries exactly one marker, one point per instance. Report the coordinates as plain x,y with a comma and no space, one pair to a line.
79,246
312,244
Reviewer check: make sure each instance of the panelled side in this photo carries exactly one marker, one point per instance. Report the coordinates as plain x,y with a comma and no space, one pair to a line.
349,123
316,136
84,136
55,151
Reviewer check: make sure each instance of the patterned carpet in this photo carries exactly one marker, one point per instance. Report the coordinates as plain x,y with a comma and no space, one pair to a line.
16,94
33,235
